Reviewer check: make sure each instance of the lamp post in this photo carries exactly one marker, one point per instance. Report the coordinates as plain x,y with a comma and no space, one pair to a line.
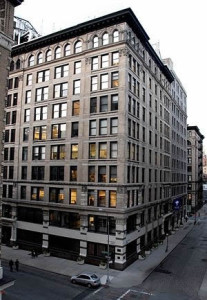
166,250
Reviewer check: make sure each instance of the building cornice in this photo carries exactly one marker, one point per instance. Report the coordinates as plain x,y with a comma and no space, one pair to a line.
125,15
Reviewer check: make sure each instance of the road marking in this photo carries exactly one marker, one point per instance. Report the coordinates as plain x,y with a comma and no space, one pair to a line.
135,291
98,290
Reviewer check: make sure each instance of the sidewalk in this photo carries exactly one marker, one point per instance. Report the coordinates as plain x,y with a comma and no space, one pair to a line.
135,274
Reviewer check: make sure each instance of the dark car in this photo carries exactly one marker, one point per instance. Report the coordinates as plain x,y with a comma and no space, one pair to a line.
91,280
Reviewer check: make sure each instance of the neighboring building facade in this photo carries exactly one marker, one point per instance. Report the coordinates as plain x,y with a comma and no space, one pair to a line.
6,42
195,169
205,168
87,156
23,31
179,143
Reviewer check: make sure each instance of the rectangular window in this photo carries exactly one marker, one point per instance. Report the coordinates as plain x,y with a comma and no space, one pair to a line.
12,135
24,153
94,83
40,113
40,133
76,108
102,198
103,127
104,81
58,131
113,150
10,83
94,63
41,94
114,125
73,173
57,152
114,102
38,153
74,151
43,76
102,174
73,196
113,174
112,198
76,87
56,195
28,97
25,134
77,67
103,103
102,150
93,105
92,128
92,150
60,90
29,79
91,174
74,129
27,115
24,172
61,71
91,197
115,58
59,110
38,172
37,193
57,173
104,61
114,79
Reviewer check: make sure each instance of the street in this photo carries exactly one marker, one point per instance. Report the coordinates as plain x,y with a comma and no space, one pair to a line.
35,284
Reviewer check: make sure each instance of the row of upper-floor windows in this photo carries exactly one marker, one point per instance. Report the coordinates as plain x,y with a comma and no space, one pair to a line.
66,50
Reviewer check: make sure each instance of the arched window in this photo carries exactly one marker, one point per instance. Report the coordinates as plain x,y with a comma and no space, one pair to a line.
67,50
18,64
115,36
95,42
78,47
48,55
31,61
105,39
12,66
57,52
40,58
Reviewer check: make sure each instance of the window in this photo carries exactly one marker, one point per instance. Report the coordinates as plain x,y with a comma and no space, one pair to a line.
67,50
105,38
115,36
23,192
28,97
73,173
48,55
24,172
38,153
57,173
104,61
14,117
92,150
102,174
115,79
76,108
91,197
12,151
92,128
43,76
103,127
91,174
56,195
29,79
104,81
31,61
95,42
15,99
38,172
24,153
11,172
57,152
58,131
61,71
40,133
61,90
113,174
39,58
74,151
37,193
103,150
8,102
76,87
12,135
94,63
93,105
115,58
114,102
18,64
78,47
113,150
57,52
114,125
94,83
12,66
40,113
59,110
7,118
73,196
101,198
25,134
77,67
112,198
41,94
103,103
27,115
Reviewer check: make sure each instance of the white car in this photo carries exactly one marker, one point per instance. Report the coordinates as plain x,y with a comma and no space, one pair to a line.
91,280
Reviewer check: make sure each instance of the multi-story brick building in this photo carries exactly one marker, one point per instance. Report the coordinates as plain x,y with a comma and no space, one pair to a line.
87,156
195,169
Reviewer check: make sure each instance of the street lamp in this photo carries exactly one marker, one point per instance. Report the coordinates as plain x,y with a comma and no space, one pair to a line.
166,250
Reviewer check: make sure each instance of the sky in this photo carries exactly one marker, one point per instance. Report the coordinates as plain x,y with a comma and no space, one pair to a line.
178,25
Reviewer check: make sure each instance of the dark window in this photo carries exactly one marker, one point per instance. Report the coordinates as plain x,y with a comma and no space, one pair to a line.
38,172
57,173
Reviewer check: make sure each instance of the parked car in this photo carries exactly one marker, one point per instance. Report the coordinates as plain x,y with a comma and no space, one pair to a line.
91,280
